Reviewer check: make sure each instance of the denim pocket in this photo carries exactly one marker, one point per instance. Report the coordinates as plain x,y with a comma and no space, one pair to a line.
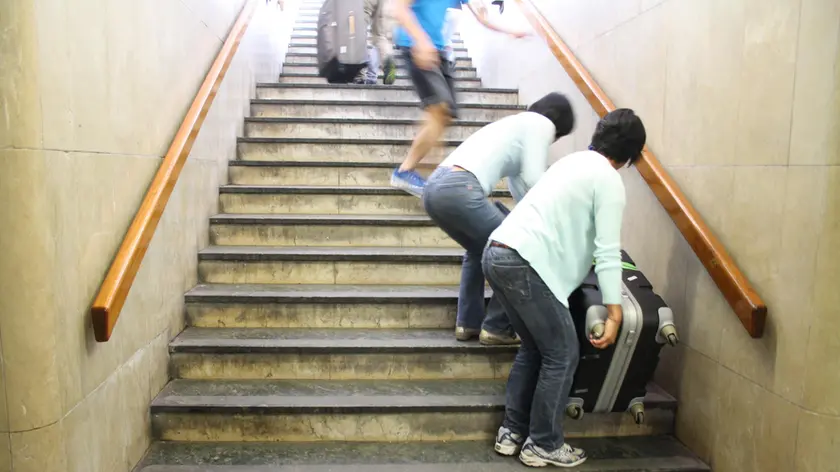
515,281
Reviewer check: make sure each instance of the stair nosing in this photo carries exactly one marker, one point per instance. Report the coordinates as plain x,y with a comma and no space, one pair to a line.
331,164
401,88
329,396
357,121
299,294
296,75
320,219
377,103
323,190
330,254
304,45
344,141
191,341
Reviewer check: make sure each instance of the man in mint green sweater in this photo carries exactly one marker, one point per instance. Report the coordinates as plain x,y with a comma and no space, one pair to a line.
540,254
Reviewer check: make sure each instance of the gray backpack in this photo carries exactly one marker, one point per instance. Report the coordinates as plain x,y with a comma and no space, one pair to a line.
342,40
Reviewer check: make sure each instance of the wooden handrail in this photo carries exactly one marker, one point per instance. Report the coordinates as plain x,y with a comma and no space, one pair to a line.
114,289
741,296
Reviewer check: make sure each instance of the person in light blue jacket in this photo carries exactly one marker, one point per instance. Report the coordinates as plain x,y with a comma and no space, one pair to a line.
541,253
456,198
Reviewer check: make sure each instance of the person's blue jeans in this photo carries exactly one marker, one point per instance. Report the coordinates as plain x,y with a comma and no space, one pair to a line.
456,202
541,377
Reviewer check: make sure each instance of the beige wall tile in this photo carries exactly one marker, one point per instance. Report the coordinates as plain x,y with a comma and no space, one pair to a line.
630,63
137,78
4,405
754,240
753,427
27,302
816,444
709,189
764,113
20,122
823,362
791,296
5,453
648,4
698,395
40,450
705,43
816,110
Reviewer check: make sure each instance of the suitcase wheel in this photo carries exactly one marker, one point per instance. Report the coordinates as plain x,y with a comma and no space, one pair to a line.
574,411
637,410
669,332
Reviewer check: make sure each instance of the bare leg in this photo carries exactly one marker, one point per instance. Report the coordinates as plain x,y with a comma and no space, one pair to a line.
436,120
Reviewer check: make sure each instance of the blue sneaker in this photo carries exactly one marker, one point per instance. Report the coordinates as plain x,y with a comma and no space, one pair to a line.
409,181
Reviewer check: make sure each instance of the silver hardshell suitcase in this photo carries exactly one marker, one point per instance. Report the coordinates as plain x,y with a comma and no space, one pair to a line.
616,378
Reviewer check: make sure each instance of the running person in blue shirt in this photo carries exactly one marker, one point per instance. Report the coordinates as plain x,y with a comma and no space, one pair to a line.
421,37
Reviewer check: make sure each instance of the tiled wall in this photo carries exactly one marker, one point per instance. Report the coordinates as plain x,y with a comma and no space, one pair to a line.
92,94
741,99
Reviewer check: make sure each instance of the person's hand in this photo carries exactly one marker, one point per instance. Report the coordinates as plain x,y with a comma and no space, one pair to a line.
425,56
614,318
608,339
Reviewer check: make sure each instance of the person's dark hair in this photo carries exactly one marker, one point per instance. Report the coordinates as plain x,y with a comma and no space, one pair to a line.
556,107
620,136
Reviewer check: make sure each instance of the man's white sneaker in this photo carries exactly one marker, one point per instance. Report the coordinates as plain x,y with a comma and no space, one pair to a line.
565,456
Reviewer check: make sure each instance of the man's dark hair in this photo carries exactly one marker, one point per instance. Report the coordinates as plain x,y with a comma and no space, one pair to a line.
556,107
620,135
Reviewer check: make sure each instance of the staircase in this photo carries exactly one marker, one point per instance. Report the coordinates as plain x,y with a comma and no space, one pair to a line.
321,335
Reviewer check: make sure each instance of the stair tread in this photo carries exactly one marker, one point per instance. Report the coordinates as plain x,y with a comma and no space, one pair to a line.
256,218
377,103
378,87
625,454
400,76
356,121
335,340
330,395
322,293
345,395
355,253
324,190
377,165
367,141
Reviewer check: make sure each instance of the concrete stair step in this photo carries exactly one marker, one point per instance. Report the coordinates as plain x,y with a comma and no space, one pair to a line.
311,40
333,354
303,48
345,109
316,199
401,81
322,306
330,410
622,454
300,59
327,230
312,69
378,93
335,150
365,128
329,265
375,174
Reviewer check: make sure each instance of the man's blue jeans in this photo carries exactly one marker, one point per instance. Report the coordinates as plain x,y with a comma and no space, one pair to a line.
456,202
541,377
